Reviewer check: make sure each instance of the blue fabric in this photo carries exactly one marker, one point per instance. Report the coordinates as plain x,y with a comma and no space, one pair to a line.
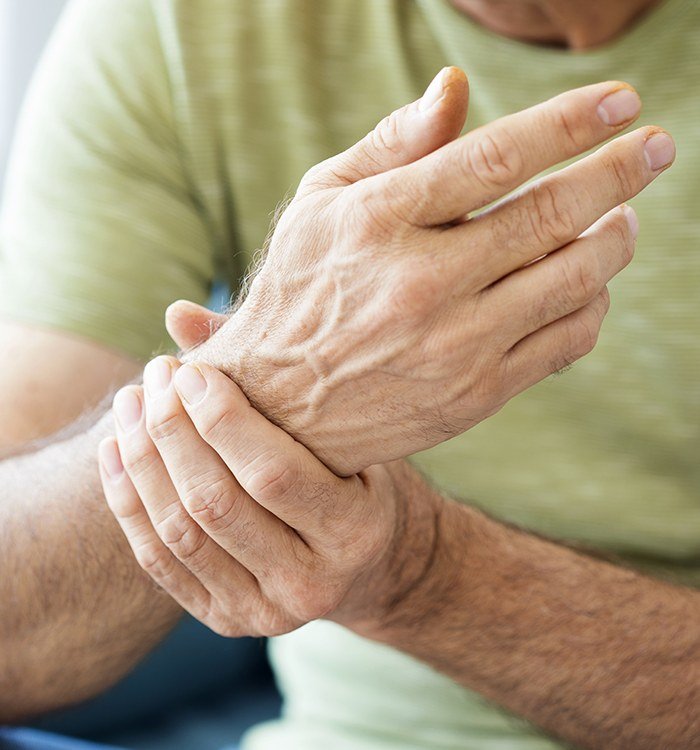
191,664
196,691
32,739
217,722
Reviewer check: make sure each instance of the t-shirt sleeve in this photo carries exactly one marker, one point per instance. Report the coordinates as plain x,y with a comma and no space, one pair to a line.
101,228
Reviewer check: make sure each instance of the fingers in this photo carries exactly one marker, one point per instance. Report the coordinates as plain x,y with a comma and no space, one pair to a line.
149,550
493,160
190,324
222,510
556,346
404,136
566,280
279,473
216,569
557,208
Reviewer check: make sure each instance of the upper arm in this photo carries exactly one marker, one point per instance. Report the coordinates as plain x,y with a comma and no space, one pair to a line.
49,378
101,225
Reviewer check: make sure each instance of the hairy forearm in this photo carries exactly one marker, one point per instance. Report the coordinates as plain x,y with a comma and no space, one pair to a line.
77,612
593,653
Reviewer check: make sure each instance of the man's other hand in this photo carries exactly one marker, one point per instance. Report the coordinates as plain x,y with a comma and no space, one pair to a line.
241,524
385,320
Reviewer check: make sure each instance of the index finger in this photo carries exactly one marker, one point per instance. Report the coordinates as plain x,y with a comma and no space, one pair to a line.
493,160
279,473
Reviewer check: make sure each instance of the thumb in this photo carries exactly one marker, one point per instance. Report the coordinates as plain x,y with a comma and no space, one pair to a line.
402,137
190,324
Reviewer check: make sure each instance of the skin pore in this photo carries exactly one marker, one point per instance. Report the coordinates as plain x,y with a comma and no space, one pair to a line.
574,24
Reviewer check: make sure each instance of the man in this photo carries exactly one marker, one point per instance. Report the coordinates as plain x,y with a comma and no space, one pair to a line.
140,196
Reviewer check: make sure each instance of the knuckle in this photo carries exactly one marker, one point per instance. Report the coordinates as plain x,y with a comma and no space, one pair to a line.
598,309
495,160
367,156
180,535
386,137
580,282
139,461
154,560
211,503
372,214
414,291
164,426
212,423
623,239
552,222
123,508
315,178
273,476
627,251
617,230
623,173
567,128
584,334
337,171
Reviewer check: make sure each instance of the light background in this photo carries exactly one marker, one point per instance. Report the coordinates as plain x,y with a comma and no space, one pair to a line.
24,28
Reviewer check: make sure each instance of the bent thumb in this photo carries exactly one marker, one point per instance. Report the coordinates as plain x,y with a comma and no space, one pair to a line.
402,137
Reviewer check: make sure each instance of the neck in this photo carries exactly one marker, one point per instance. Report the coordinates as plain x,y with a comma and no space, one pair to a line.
576,24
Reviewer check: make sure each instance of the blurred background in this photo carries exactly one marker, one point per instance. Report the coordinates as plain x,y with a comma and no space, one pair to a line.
196,690
24,28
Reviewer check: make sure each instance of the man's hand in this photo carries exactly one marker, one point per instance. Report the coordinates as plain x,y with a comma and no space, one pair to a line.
384,320
245,528
590,652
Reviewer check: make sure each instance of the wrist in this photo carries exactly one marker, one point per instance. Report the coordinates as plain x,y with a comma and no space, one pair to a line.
407,579
238,349
279,382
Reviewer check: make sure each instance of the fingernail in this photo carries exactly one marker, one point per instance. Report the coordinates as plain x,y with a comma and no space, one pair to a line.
434,92
632,220
620,106
659,151
127,409
110,459
157,376
190,384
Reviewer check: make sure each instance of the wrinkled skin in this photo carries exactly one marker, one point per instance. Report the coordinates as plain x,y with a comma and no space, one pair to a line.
384,320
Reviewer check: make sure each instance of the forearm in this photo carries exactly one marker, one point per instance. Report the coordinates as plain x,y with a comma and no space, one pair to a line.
595,654
39,401
77,612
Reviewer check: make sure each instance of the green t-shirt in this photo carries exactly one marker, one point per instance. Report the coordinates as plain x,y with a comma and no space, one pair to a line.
157,139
